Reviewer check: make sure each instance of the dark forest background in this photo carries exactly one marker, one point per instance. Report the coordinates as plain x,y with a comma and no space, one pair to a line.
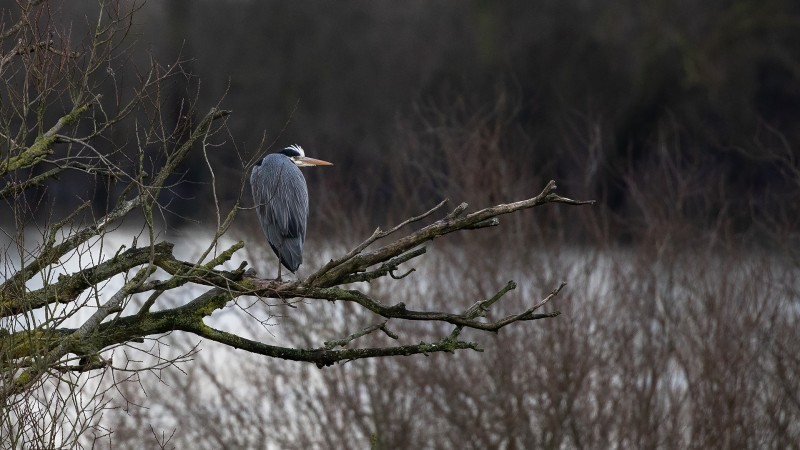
681,118
615,101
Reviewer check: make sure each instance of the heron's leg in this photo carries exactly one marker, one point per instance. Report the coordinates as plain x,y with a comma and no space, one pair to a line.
279,270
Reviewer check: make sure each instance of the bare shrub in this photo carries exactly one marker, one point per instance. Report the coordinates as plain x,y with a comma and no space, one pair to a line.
88,306
679,336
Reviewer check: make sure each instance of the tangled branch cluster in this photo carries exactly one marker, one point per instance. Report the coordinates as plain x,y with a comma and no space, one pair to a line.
145,165
48,347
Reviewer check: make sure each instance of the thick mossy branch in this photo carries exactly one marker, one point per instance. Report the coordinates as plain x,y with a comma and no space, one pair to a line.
68,287
234,284
358,265
13,189
43,145
325,357
184,272
29,343
190,319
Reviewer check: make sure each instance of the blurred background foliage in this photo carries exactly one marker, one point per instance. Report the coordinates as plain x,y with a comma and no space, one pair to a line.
595,95
680,118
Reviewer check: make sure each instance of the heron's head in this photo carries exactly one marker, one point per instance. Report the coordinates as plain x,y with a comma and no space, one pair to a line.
298,156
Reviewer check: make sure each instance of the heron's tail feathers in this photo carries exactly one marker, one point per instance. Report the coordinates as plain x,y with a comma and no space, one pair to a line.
290,253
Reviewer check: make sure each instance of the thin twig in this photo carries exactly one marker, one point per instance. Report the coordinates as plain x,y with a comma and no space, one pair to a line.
377,234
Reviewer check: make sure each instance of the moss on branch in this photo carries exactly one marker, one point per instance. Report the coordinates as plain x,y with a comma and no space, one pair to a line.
43,145
356,265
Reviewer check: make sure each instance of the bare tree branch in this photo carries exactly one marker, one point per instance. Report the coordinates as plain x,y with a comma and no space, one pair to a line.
94,336
71,304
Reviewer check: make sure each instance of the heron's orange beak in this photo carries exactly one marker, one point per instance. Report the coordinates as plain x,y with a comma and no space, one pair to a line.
304,161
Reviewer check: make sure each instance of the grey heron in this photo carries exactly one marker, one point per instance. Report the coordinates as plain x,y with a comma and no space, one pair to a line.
281,202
